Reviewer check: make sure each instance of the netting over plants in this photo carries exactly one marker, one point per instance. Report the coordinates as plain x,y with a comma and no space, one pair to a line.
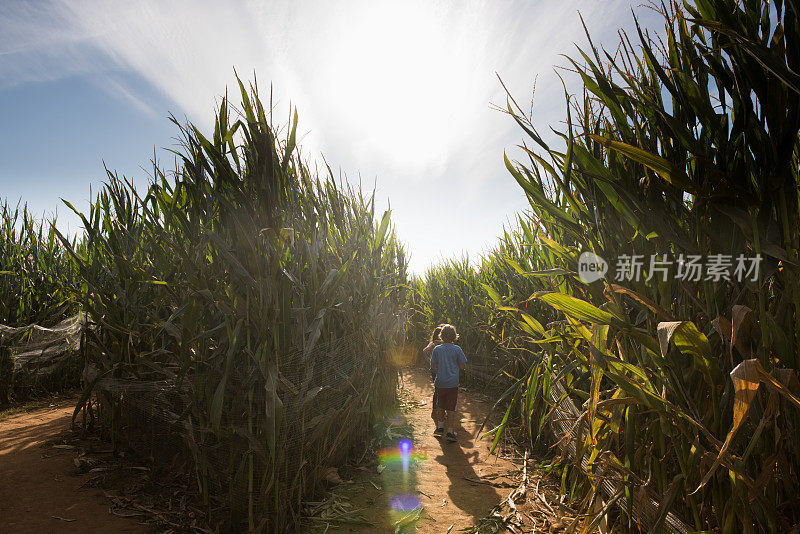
324,402
649,512
44,359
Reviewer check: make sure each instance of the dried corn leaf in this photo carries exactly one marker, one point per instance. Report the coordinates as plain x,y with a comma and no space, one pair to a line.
746,377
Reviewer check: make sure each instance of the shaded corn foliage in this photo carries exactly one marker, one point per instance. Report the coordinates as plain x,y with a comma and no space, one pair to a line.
477,298
239,279
682,145
36,277
36,272
445,294
6,375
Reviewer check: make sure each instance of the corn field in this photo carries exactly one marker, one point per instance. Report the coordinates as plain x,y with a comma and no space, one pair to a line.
36,271
225,280
36,276
269,299
680,146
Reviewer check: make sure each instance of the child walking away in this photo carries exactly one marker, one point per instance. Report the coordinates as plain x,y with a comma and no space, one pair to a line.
435,340
447,360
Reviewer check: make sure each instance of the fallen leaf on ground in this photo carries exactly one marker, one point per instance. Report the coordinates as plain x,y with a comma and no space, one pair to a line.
331,474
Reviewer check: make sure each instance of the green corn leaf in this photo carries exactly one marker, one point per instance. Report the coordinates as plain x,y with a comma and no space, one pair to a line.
667,170
492,294
576,308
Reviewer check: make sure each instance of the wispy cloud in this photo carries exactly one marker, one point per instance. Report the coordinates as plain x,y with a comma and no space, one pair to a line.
37,44
397,91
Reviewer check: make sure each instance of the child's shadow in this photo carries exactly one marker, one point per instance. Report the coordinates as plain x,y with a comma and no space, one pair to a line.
474,499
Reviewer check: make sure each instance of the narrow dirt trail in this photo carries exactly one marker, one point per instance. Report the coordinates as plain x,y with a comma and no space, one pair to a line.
454,483
40,491
435,486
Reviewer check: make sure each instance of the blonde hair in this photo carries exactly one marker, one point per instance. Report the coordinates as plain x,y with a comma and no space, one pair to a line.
436,332
449,334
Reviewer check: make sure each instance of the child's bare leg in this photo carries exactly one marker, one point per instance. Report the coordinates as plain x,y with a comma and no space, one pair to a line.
439,417
451,421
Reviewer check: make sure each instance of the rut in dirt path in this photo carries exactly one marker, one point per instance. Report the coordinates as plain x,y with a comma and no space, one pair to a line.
40,491
451,483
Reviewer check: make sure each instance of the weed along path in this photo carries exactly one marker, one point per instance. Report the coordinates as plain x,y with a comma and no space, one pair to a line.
40,491
421,483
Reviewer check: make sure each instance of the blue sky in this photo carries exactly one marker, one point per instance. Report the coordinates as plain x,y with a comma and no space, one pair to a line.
394,94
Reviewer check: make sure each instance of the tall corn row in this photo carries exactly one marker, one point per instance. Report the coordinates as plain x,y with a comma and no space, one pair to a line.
445,295
225,279
478,299
36,274
35,271
681,146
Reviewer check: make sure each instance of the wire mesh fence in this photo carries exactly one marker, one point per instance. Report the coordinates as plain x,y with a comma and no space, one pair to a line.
311,410
569,429
318,410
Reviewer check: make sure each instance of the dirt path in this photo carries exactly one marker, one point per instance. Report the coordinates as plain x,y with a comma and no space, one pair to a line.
40,490
435,485
453,483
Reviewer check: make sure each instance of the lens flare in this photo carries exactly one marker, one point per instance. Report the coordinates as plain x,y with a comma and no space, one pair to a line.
393,456
400,356
398,464
405,449
404,502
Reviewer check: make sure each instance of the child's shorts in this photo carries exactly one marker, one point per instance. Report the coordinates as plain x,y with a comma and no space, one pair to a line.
446,398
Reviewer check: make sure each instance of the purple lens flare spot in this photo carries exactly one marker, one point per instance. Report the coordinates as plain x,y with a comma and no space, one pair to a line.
405,446
404,502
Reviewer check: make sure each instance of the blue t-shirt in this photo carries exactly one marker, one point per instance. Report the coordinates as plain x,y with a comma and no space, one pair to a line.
447,357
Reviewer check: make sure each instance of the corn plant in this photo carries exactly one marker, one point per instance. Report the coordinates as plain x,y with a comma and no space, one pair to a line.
479,299
679,146
36,274
35,270
269,295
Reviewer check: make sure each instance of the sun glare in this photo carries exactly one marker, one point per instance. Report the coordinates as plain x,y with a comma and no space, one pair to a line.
397,78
